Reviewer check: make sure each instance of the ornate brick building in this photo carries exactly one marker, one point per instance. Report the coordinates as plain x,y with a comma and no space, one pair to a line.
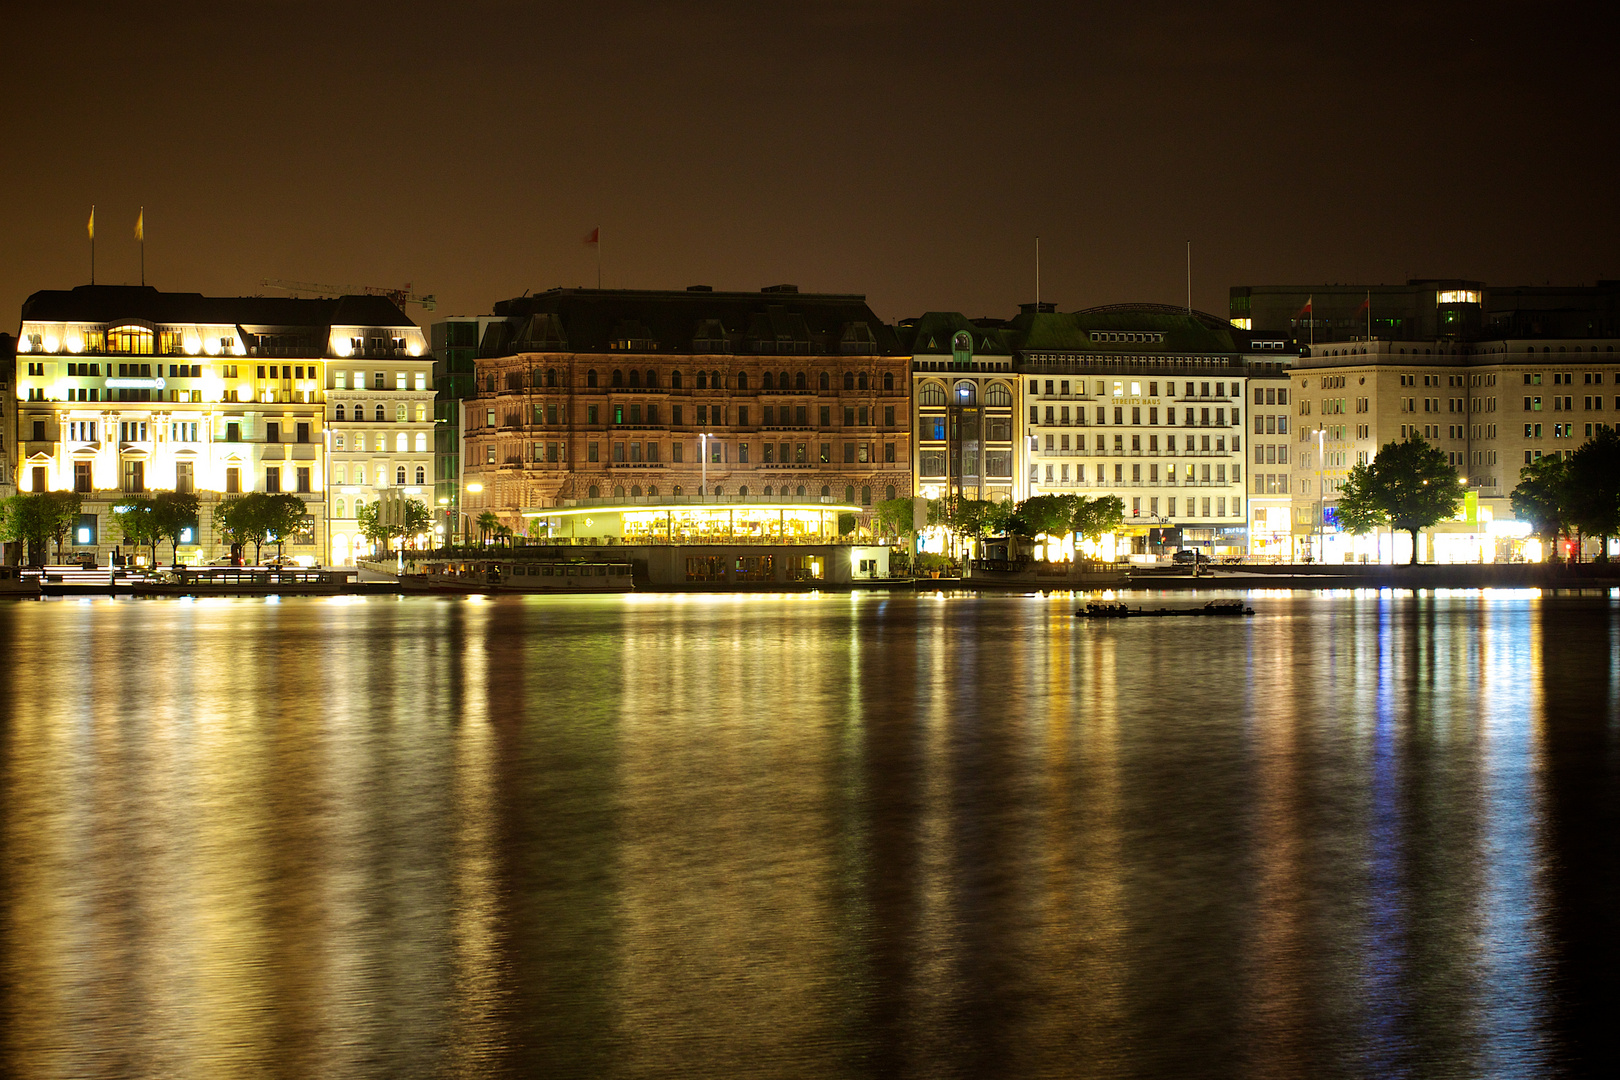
642,395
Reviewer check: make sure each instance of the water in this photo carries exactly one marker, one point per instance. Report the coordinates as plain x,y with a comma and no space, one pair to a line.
835,836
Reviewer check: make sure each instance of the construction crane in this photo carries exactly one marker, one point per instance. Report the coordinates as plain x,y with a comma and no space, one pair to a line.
401,296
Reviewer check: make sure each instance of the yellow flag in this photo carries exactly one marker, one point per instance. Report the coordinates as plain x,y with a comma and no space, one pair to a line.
140,225
92,223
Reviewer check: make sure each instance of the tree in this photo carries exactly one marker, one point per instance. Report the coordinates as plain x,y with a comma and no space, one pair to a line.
241,522
1543,498
138,520
1048,515
417,520
486,522
1408,485
173,512
1594,482
893,517
35,518
284,514
1095,518
62,513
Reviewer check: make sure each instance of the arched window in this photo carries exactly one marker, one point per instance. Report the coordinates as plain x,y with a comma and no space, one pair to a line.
826,491
719,489
677,491
703,380
849,493
421,474
337,442
768,381
652,491
652,379
862,380
866,496
965,393
767,491
715,381
358,503
399,476
340,508
674,380
635,491
380,414
849,380
743,491
340,410
635,378
421,442
801,491
590,378
823,382
618,491
888,380
593,492
618,377
400,444
888,492
551,376
932,394
399,413
798,381
998,396
742,380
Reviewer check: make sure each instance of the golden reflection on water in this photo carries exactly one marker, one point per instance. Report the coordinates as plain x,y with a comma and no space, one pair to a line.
773,836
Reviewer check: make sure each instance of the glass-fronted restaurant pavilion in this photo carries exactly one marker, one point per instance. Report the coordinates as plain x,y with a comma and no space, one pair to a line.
685,519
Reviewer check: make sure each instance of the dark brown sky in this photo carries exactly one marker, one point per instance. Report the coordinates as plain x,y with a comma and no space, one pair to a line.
911,151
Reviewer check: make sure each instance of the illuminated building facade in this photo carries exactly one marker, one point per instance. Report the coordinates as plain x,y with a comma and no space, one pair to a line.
8,417
1271,450
585,394
379,413
1141,401
126,390
1526,372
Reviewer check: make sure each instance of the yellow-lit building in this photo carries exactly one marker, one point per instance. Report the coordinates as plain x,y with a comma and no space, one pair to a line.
127,390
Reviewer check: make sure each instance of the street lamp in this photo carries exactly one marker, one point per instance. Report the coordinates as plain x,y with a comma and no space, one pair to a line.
1321,493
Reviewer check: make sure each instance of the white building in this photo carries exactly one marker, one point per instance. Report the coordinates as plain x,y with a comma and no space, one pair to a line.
126,390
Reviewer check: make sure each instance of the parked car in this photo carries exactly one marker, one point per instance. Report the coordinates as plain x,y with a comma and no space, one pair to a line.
1189,557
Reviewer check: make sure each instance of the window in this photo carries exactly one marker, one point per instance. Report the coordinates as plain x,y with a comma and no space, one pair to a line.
932,394
272,479
489,454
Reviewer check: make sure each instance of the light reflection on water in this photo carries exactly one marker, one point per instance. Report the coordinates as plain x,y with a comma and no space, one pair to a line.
856,835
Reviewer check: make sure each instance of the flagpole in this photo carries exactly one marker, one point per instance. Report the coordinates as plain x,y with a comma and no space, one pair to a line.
140,230
599,258
1189,277
1037,275
92,243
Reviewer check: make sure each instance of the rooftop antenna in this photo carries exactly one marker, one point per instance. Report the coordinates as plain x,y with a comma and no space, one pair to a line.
1189,277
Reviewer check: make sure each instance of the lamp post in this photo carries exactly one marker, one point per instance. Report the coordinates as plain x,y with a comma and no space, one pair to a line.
473,488
1321,495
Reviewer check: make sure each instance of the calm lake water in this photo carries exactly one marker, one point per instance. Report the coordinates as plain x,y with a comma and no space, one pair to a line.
822,836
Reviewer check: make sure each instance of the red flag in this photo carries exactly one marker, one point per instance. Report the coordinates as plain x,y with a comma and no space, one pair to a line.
1306,310
594,236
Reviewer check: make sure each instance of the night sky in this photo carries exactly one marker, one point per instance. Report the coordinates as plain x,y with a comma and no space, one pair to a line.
910,151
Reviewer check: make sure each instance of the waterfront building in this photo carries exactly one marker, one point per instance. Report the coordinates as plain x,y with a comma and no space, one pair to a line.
380,421
8,417
614,396
1140,401
1526,372
964,407
124,390
454,342
1271,446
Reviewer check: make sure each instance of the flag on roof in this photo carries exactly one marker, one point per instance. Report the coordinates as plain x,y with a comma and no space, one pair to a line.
594,236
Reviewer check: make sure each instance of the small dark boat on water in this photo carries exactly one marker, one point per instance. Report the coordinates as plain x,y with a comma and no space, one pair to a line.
1115,610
